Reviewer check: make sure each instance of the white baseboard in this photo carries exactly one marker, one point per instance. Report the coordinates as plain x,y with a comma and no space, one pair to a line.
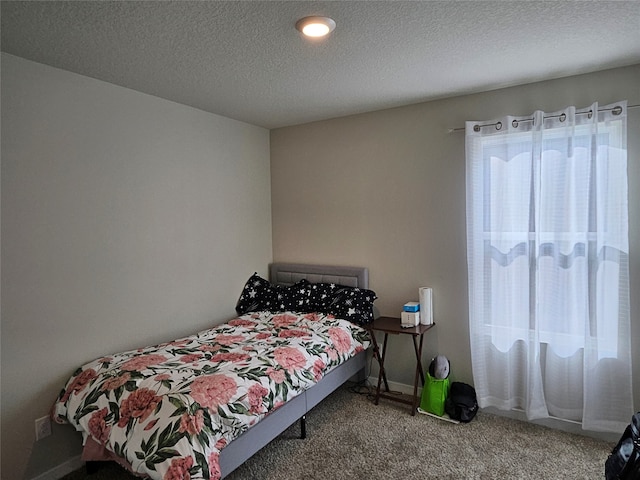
395,386
56,473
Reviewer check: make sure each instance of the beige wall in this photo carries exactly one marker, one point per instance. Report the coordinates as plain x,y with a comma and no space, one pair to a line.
126,220
387,190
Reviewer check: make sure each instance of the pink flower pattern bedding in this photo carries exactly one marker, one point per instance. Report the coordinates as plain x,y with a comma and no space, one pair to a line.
168,410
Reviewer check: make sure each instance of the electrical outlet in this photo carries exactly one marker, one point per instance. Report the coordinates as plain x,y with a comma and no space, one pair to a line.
43,428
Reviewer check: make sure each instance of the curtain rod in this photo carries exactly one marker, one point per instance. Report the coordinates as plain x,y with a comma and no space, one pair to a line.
615,110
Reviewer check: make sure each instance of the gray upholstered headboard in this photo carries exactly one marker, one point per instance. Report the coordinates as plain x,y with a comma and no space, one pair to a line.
290,273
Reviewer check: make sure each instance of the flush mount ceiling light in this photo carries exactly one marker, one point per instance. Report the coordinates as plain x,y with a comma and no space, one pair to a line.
316,26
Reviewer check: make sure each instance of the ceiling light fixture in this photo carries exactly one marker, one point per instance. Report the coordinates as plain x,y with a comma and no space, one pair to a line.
316,26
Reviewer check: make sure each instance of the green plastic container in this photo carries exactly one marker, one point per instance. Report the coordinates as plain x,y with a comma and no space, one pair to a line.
434,394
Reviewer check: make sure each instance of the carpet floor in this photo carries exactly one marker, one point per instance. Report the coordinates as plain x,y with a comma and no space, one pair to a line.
348,437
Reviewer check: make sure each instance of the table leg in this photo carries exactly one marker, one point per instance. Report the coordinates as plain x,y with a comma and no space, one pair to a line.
382,374
419,372
418,350
376,354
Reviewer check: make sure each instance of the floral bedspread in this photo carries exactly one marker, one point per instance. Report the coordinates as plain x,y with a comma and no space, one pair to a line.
168,410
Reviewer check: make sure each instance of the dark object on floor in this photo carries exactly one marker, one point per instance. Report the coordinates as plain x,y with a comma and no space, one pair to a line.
624,461
461,404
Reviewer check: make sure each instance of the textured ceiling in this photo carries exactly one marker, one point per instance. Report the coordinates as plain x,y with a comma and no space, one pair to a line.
245,60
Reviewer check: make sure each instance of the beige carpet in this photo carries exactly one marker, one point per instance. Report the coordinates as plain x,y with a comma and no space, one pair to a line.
348,437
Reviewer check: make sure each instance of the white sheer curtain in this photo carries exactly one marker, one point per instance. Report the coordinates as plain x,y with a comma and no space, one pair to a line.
547,251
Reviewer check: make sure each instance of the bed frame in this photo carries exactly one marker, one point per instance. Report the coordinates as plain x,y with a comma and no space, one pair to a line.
258,436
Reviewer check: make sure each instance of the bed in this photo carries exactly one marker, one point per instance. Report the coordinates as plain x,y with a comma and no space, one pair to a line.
200,406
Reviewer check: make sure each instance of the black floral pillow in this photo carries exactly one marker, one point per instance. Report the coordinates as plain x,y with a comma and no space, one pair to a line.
260,294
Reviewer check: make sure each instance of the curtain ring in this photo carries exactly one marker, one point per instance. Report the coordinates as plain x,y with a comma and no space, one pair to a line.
476,128
590,114
563,117
617,110
498,125
515,124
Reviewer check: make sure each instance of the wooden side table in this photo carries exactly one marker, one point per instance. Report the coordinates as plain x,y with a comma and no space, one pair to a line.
391,325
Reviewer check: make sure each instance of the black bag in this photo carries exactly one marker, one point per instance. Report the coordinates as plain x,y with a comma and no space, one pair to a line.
624,461
461,404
